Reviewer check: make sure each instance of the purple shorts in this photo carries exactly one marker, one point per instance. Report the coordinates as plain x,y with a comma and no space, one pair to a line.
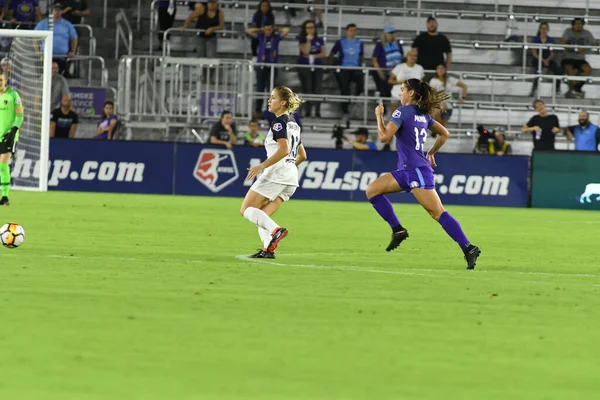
421,178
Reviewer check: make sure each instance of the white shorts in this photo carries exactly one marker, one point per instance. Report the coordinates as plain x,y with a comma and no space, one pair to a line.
272,190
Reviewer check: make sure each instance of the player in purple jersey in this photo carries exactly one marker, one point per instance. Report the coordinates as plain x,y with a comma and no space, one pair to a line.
415,169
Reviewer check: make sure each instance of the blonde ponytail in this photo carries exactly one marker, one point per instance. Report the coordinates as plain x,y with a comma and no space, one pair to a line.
293,101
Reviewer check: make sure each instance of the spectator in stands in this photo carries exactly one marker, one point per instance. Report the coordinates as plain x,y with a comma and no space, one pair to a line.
499,146
387,54
349,52
108,124
210,18
442,82
12,80
24,13
167,9
407,70
253,138
362,141
63,120
432,46
65,38
224,132
312,52
2,10
586,135
543,127
59,88
574,59
268,53
318,13
75,10
548,61
263,16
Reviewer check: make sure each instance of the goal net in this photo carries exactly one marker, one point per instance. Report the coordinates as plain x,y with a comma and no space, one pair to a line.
27,65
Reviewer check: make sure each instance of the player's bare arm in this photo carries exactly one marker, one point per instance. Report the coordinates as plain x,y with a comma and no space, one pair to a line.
280,154
442,135
385,133
301,155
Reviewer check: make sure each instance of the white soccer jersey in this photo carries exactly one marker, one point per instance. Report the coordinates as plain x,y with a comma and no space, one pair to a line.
285,171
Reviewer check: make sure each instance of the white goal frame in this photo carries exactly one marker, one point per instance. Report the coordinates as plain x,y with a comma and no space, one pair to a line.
47,36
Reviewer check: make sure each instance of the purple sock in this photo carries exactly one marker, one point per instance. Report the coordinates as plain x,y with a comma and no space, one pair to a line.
384,208
453,229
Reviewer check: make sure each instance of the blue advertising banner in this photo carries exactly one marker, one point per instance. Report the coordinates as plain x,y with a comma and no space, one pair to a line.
106,166
193,169
344,175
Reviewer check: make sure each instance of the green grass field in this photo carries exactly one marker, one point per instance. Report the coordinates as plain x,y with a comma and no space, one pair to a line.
149,297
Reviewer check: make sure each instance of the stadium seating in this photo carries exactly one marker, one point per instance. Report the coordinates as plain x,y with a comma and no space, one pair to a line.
463,32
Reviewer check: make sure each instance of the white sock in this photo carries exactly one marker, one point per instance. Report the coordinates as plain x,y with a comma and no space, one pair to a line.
265,236
260,218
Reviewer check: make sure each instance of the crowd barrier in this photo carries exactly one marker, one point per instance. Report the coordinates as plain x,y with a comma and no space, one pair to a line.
566,180
194,169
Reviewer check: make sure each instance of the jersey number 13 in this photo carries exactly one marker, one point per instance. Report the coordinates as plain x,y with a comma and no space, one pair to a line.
420,137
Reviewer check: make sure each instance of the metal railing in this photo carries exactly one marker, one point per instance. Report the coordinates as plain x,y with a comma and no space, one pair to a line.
105,14
385,12
124,33
187,91
183,90
91,59
166,50
92,44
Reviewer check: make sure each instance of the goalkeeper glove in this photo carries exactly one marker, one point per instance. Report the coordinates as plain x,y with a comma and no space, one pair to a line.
10,136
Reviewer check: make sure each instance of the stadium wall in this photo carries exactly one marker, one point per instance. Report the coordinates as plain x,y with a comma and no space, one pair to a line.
566,180
194,169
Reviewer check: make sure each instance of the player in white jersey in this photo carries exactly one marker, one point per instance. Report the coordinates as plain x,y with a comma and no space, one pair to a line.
279,178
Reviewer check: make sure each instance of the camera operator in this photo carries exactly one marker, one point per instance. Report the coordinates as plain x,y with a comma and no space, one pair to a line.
483,141
499,146
362,141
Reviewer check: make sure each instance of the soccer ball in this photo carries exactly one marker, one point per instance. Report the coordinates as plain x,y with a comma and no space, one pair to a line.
12,235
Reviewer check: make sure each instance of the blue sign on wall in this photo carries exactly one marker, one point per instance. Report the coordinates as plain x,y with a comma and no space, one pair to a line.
193,169
103,166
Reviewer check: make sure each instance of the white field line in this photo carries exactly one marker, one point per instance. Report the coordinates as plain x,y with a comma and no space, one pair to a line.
468,275
120,258
480,271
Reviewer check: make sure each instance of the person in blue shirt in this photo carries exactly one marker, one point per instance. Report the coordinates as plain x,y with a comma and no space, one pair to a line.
268,53
362,141
387,54
24,12
548,61
349,52
409,124
586,135
65,37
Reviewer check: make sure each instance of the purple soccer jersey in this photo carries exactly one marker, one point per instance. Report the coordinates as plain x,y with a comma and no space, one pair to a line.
411,136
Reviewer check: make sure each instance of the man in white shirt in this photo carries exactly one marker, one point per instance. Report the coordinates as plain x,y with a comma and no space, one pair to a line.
402,72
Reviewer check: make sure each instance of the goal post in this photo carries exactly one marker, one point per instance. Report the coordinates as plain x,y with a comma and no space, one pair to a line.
29,61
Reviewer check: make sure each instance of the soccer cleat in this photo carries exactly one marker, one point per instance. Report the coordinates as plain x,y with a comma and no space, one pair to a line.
397,238
4,201
471,254
263,254
276,237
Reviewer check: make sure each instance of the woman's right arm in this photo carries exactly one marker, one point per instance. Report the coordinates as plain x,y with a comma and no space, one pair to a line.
198,11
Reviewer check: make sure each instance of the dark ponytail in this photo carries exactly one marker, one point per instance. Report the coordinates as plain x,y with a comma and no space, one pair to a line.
427,97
